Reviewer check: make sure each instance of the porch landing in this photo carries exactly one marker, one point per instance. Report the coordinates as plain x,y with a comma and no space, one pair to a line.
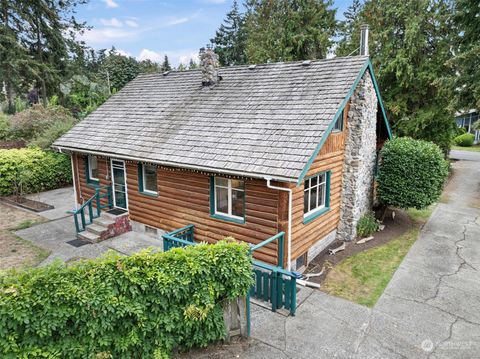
55,234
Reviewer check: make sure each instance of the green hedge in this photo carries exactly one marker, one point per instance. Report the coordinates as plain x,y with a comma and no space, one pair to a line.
465,140
33,170
411,173
140,306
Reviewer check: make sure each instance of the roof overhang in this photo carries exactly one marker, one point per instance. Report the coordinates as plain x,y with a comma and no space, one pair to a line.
367,66
175,164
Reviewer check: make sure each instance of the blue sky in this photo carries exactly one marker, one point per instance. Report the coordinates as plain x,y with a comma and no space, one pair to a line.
152,28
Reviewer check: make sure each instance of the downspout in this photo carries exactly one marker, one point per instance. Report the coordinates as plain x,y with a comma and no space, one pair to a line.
74,182
289,237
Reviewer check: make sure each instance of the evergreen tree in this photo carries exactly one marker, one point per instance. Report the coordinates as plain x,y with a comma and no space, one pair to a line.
350,30
288,30
464,75
181,67
230,39
166,64
410,43
118,70
192,65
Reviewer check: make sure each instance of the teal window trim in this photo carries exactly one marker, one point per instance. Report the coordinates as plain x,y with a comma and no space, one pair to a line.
141,188
92,182
321,211
224,217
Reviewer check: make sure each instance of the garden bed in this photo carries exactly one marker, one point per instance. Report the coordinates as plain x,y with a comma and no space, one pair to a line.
27,203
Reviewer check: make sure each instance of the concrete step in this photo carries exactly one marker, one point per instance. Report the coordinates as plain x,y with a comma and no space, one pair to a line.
111,216
88,236
103,221
96,228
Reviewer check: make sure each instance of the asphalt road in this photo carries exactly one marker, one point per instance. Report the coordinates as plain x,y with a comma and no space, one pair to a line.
465,155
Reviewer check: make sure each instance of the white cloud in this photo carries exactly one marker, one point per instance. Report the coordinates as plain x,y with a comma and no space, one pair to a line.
124,53
106,36
175,56
110,4
131,23
147,54
176,21
114,22
215,1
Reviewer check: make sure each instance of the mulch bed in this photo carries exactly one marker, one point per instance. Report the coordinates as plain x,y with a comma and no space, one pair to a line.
30,204
393,229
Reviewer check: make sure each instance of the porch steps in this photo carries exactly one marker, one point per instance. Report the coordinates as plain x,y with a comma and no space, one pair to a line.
88,236
106,226
98,228
103,221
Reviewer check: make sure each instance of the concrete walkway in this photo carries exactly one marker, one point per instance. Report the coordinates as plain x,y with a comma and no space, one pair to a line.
430,309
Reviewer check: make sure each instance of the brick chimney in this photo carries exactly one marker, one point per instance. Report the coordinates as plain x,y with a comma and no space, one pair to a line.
209,65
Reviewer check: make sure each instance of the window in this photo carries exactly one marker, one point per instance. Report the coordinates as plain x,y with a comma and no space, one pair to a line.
338,127
301,261
147,179
92,170
316,195
229,199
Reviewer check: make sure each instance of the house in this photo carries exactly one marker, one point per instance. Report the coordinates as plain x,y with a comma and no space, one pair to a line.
242,151
466,121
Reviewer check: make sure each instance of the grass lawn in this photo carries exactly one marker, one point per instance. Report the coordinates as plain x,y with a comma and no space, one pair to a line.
475,148
14,251
362,278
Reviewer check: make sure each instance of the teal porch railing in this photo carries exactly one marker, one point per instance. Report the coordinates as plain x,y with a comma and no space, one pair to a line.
80,218
179,238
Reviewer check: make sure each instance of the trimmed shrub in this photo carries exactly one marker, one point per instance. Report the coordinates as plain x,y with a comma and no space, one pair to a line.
29,170
140,306
465,140
367,225
411,173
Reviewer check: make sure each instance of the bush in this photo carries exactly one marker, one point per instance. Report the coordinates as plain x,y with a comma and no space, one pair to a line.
5,131
140,306
32,170
55,131
367,225
411,173
33,121
465,140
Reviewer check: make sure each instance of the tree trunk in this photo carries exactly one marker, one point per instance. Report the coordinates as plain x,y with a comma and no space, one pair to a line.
6,67
43,87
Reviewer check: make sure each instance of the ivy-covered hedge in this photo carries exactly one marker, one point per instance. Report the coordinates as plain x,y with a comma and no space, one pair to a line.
29,170
411,173
140,306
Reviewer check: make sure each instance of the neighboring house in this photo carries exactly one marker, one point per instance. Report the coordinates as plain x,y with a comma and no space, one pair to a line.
466,121
224,149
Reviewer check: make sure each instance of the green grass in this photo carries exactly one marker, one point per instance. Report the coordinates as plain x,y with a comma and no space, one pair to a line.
363,277
475,148
26,224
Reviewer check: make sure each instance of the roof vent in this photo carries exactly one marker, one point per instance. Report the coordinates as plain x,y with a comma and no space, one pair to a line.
364,40
166,73
306,63
252,67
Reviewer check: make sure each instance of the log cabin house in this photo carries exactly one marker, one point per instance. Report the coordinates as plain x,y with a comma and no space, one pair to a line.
242,151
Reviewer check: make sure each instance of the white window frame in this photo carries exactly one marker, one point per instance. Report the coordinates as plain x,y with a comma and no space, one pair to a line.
144,187
309,190
90,176
229,196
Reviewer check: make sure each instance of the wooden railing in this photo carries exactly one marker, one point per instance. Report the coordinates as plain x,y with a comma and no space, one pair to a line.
79,217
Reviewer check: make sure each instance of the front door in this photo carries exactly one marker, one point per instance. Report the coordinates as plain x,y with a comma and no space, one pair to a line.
119,184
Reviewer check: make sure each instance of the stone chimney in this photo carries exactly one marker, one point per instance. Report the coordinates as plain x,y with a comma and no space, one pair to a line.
364,40
209,65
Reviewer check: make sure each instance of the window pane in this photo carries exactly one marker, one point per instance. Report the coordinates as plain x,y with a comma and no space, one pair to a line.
236,184
93,165
221,196
221,182
305,201
321,178
306,184
314,181
313,198
321,195
237,203
150,178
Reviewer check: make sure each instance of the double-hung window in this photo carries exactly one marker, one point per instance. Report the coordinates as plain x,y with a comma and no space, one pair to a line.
148,179
316,195
228,199
92,170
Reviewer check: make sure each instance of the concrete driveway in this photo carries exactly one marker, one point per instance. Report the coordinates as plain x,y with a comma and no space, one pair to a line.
465,155
430,309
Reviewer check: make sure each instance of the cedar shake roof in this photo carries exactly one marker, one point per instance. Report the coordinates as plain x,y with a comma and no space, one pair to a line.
265,121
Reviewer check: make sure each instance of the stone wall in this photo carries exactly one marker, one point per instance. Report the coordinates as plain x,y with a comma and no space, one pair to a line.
360,152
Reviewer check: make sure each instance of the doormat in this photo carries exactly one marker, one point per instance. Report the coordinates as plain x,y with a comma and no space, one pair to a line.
78,242
116,211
